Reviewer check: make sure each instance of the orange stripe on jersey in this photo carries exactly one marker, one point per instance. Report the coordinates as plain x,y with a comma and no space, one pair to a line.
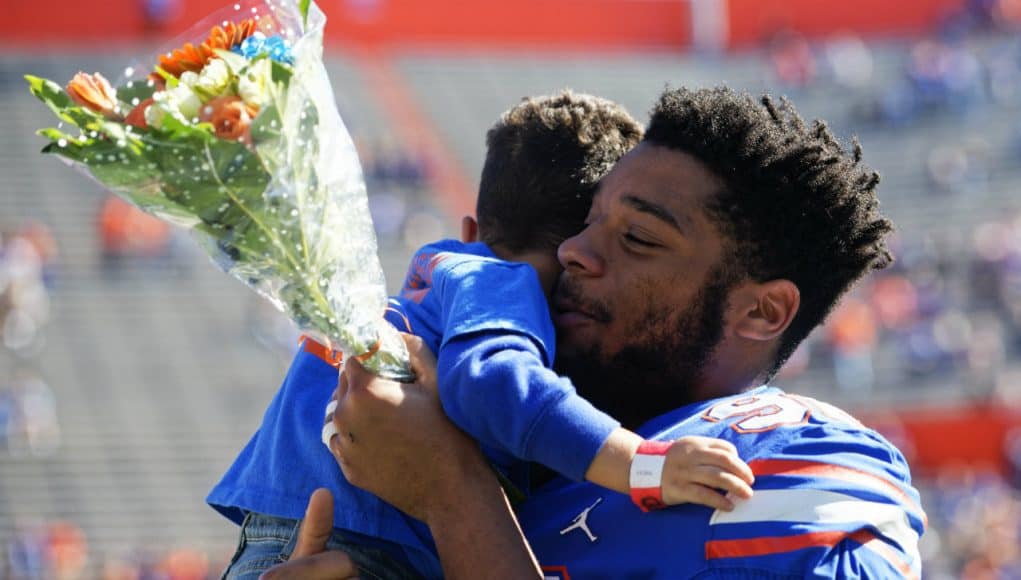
751,547
770,545
799,467
562,570
873,543
334,358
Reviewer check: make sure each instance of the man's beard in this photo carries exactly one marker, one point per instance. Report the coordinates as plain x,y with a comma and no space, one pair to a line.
663,368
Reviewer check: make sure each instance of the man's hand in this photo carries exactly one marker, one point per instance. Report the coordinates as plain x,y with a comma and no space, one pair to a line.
310,560
394,440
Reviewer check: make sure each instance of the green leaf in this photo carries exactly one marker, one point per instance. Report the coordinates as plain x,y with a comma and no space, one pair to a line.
170,79
266,129
140,90
48,92
122,168
52,134
281,73
61,104
179,129
55,136
303,6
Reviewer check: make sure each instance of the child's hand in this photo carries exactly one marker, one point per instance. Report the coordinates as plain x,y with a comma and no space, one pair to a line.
697,467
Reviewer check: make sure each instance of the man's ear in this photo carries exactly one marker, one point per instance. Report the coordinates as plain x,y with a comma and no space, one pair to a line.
765,309
469,229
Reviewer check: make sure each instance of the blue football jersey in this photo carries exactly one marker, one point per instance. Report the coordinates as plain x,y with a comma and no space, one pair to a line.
832,499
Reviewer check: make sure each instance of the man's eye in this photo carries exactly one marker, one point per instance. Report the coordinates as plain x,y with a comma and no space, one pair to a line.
633,239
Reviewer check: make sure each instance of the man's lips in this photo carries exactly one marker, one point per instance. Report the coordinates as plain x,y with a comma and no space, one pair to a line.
571,308
570,318
570,314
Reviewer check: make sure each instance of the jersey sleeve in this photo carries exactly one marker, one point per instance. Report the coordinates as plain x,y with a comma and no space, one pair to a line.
483,295
495,386
830,501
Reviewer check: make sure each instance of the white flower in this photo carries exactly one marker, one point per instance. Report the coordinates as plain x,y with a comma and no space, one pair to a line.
213,81
181,102
183,97
155,112
188,79
255,82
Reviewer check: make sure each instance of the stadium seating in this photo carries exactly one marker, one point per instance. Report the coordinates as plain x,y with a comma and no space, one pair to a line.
157,377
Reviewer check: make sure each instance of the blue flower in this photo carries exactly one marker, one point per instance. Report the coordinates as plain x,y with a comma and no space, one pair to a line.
258,44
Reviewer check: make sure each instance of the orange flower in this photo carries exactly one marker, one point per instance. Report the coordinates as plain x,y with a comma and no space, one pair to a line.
231,118
136,117
94,93
193,58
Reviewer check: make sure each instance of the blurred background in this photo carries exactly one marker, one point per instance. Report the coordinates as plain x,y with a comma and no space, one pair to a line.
132,371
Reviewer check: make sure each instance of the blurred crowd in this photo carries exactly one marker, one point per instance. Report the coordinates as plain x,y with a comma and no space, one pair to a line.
59,550
944,71
28,416
945,313
129,238
948,312
974,530
972,60
28,271
398,179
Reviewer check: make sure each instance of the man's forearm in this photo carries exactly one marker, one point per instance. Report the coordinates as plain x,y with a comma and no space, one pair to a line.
401,447
475,530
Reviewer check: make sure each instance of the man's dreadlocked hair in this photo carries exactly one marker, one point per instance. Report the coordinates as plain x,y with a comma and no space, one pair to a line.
544,158
794,203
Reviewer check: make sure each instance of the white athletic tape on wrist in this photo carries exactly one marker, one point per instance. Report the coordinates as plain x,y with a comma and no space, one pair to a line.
331,408
646,476
329,430
647,471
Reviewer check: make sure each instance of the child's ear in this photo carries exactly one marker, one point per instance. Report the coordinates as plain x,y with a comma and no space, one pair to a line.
469,229
765,309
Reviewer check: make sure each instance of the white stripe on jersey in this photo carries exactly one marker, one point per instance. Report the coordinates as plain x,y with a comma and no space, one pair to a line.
825,508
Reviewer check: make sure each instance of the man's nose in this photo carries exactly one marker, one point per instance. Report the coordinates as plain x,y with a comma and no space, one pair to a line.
578,255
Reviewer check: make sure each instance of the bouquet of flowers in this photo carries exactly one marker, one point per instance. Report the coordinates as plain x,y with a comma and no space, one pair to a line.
237,138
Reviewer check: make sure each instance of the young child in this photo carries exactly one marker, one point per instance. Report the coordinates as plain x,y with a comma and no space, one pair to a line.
482,308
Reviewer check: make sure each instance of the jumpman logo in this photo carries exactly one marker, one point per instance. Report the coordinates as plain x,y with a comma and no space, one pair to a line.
581,522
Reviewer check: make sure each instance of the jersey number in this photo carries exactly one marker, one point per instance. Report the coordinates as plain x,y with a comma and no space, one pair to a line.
759,413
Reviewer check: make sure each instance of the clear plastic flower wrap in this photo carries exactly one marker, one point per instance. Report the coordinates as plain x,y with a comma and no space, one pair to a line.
235,136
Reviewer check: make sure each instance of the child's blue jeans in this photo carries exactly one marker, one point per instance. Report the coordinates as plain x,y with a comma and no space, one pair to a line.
267,541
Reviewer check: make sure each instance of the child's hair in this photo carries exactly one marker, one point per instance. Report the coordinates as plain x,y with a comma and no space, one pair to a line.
544,159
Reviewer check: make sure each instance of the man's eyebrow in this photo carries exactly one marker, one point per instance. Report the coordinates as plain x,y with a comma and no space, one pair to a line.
654,209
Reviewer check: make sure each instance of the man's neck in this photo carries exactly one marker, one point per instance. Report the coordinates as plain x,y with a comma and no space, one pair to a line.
733,368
